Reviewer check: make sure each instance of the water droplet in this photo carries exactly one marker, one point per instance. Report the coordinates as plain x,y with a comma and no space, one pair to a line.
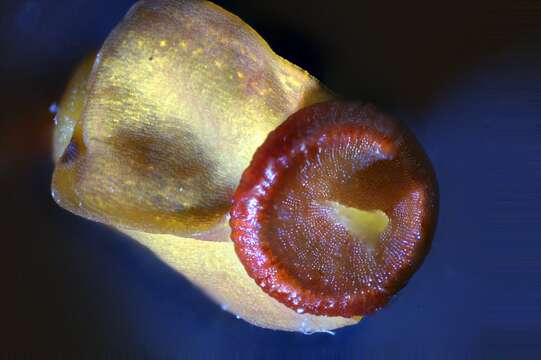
53,109
55,196
305,329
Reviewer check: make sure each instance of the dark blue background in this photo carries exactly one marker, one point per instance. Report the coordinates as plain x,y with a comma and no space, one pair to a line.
466,78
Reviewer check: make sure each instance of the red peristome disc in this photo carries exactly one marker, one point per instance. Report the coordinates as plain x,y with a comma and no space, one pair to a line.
341,152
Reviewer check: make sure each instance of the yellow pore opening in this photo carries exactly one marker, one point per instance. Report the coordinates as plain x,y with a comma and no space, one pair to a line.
365,225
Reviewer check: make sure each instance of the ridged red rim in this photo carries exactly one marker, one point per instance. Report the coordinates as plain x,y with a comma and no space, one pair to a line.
299,136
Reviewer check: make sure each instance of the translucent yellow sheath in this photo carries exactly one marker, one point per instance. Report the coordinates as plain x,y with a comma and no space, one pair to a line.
153,137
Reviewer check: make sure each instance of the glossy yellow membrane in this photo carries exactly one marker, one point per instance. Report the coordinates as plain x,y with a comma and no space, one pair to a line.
215,268
179,98
181,95
71,107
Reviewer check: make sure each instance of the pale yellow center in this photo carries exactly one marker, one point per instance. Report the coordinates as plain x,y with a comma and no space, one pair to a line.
365,225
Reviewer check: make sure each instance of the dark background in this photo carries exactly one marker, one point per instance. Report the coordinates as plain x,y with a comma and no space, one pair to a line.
466,77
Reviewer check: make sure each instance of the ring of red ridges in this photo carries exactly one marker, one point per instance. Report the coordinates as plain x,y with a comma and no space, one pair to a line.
336,210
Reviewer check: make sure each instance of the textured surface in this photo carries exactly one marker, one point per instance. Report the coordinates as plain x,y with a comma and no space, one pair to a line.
215,268
179,98
284,226
181,95
75,289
